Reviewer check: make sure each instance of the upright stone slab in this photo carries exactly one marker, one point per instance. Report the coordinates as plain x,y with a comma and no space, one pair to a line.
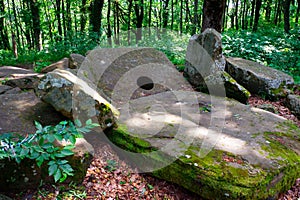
205,66
259,79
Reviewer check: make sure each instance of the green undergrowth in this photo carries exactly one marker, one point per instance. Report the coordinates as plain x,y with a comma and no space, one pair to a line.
268,46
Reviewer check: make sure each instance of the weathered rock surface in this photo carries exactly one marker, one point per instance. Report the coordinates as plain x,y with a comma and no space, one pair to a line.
259,79
76,60
293,102
61,64
205,66
117,71
65,91
236,153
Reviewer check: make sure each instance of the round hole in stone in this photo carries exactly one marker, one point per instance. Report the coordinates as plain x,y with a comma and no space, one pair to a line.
145,83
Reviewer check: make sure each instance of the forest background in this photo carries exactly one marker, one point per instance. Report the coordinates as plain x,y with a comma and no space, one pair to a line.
39,32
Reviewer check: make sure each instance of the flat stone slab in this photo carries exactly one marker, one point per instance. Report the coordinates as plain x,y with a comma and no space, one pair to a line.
293,102
214,147
257,78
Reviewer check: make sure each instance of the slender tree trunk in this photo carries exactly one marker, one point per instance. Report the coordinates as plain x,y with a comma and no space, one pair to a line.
268,10
243,14
195,19
64,18
181,17
297,14
286,12
149,16
212,14
83,11
257,14
109,33
48,17
225,15
252,12
277,18
4,42
165,13
172,14
129,22
14,45
16,22
236,15
68,16
58,18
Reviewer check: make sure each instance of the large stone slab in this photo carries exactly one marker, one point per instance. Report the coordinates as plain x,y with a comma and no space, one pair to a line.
237,152
116,73
259,79
205,64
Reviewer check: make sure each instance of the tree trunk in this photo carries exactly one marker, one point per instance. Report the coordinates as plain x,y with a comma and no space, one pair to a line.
96,15
68,16
165,13
297,14
286,12
172,14
16,22
139,13
278,12
83,11
64,18
252,12
57,13
181,17
149,16
195,19
109,33
268,10
236,15
129,22
4,42
244,14
257,14
35,12
212,14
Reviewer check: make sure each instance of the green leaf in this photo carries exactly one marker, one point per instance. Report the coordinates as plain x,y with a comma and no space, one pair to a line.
39,161
38,126
72,139
57,175
78,122
52,168
58,137
67,152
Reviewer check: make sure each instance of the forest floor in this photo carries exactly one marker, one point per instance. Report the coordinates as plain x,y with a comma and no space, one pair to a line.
109,177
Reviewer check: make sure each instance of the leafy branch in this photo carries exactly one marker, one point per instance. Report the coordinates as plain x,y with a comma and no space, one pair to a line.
41,146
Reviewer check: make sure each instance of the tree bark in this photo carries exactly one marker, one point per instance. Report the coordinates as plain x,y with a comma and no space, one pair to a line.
213,14
165,13
36,24
83,11
58,18
252,12
139,13
109,32
257,14
286,12
297,14
195,19
96,15
4,42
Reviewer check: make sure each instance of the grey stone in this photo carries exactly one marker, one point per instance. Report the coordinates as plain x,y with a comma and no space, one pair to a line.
76,60
259,79
15,90
293,102
74,98
7,71
62,64
225,153
4,88
117,71
205,66
268,107
24,81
